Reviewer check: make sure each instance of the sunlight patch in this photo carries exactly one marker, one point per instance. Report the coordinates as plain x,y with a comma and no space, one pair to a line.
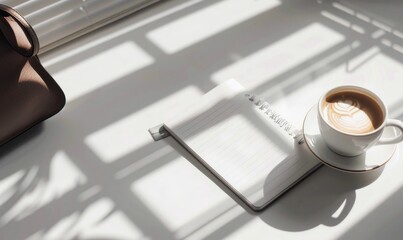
57,56
280,57
9,186
105,67
207,22
45,185
126,135
180,196
100,220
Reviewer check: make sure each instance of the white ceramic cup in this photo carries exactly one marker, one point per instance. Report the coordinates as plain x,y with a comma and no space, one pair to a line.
353,144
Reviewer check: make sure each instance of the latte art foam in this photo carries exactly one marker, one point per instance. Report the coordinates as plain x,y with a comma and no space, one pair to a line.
352,112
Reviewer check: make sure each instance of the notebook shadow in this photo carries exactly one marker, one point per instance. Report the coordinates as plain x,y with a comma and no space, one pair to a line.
325,198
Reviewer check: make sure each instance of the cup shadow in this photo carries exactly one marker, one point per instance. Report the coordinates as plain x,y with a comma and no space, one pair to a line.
325,198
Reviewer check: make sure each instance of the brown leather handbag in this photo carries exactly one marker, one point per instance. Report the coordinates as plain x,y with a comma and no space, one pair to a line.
28,94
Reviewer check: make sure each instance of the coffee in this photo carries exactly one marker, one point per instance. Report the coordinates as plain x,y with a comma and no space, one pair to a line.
352,112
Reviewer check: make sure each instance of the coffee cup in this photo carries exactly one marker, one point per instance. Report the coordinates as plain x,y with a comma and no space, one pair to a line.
352,119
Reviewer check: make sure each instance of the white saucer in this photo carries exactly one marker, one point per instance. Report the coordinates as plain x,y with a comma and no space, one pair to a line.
375,157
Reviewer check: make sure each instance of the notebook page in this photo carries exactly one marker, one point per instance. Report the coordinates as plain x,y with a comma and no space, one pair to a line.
229,134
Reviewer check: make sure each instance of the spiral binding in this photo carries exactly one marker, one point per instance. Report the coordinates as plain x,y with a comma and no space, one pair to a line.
268,109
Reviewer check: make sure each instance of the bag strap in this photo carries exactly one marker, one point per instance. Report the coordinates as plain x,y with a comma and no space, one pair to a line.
18,32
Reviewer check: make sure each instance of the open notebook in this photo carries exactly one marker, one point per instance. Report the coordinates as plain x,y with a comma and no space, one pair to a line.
243,144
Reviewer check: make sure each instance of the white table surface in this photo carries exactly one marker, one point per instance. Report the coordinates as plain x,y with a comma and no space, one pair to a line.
93,171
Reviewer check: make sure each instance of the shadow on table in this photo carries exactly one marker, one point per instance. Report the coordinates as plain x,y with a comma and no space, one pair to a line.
325,198
384,222
37,152
21,139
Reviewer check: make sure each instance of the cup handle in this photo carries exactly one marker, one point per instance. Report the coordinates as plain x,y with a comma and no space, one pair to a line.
393,123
